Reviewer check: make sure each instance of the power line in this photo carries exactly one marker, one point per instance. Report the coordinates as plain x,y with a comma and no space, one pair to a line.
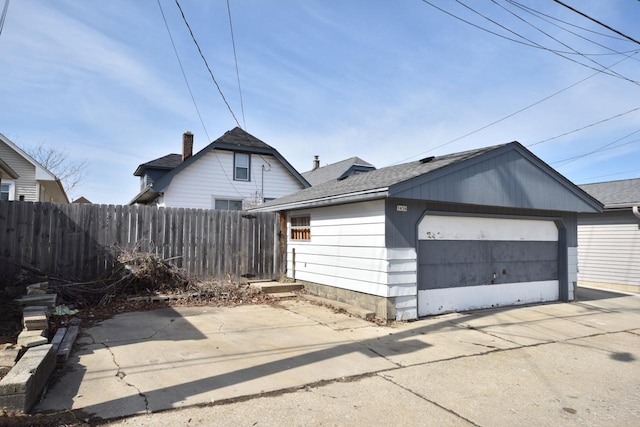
235,57
584,127
609,174
193,37
597,22
556,52
555,39
602,148
522,6
184,75
510,115
4,14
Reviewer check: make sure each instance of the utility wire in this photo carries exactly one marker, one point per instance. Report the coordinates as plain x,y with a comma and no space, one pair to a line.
193,99
548,19
558,41
597,22
604,176
514,2
235,57
184,75
573,159
585,127
4,14
613,73
193,37
509,115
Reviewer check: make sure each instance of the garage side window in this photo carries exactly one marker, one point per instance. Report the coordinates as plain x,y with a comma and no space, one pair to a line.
301,227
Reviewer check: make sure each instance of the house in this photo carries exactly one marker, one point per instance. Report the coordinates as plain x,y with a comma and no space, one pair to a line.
338,170
82,200
489,227
609,243
236,171
23,178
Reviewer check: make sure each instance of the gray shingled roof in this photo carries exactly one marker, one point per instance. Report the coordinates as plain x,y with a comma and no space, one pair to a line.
234,140
624,192
240,138
333,171
167,162
376,179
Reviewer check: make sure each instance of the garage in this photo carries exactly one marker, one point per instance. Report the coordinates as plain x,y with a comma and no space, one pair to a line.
473,262
489,227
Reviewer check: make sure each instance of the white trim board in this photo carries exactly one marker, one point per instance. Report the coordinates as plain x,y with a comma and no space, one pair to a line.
454,227
438,301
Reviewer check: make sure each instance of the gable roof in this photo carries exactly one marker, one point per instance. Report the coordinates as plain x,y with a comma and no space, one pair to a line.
47,179
237,140
6,171
615,194
167,162
336,170
420,179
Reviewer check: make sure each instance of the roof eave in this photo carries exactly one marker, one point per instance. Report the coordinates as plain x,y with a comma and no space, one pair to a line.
378,193
145,196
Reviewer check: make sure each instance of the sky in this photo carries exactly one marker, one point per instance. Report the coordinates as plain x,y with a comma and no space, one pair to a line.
387,81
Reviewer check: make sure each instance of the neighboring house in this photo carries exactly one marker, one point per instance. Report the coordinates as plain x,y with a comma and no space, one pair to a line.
483,228
236,171
23,178
339,170
82,200
609,243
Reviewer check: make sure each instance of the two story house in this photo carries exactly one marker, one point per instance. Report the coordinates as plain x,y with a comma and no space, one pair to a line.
23,178
236,171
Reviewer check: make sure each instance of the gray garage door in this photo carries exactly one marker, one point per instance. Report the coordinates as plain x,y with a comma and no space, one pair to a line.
468,262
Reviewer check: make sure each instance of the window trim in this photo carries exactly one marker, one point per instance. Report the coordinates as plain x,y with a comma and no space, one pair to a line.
300,232
215,199
236,167
12,188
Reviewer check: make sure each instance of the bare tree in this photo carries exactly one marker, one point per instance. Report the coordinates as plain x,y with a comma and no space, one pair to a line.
71,173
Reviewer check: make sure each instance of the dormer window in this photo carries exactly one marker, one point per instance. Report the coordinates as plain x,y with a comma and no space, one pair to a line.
241,167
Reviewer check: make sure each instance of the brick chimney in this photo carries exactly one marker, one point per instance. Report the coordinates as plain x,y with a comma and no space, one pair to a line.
187,145
316,162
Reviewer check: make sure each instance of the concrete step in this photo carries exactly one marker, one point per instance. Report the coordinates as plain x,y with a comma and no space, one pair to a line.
351,309
284,295
273,287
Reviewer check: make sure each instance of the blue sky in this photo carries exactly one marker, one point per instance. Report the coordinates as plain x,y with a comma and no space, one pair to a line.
388,81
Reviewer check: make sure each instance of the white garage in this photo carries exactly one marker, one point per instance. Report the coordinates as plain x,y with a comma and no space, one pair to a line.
494,226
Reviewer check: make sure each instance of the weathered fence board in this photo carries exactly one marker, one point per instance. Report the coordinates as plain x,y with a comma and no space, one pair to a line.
81,242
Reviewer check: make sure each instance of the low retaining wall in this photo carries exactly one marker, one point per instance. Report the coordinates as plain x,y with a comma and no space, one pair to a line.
384,308
21,387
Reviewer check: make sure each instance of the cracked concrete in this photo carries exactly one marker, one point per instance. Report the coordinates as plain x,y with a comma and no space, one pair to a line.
300,364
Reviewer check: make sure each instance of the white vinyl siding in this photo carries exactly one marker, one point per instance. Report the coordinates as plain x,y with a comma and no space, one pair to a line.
609,250
346,250
26,185
212,176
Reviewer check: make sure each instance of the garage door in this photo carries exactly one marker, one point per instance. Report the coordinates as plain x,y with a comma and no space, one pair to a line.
467,263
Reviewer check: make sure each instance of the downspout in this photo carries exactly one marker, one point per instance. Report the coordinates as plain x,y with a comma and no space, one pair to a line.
635,211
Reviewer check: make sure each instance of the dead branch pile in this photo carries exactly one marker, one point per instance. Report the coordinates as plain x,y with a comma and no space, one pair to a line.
149,271
141,273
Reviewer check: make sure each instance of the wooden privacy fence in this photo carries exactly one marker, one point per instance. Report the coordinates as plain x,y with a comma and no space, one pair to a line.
81,241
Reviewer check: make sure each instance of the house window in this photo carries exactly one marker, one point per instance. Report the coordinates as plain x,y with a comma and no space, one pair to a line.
241,166
301,227
227,204
7,190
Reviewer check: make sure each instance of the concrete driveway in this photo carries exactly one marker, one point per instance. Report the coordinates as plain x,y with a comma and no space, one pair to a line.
302,364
